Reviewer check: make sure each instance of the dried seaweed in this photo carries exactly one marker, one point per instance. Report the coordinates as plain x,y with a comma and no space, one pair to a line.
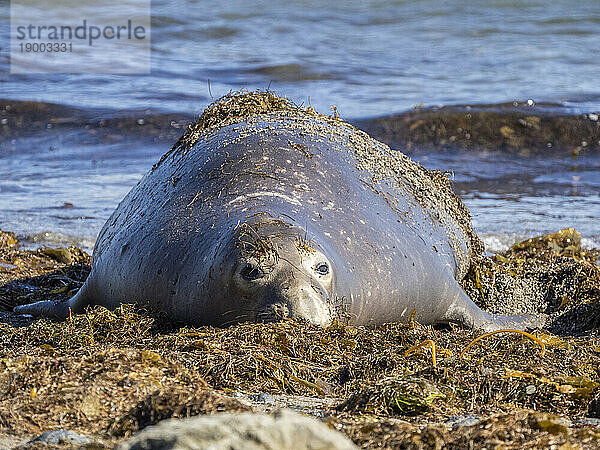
111,372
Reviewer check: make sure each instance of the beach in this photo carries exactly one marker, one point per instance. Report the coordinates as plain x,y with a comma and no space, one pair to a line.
106,375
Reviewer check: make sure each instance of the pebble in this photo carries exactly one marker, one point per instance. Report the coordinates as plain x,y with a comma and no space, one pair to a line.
462,421
58,437
262,398
587,421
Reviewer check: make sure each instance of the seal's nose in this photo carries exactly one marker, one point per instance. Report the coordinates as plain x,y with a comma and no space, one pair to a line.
299,300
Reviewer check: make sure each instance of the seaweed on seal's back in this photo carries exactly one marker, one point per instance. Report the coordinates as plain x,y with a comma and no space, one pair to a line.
431,188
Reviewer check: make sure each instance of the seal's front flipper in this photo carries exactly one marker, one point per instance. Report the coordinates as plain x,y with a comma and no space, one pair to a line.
57,309
47,308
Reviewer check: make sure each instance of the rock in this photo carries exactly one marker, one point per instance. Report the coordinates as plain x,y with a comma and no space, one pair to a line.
462,421
587,421
8,239
549,422
262,398
283,429
564,242
58,437
71,255
403,395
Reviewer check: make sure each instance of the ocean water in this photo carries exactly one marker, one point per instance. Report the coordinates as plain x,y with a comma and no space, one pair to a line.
58,184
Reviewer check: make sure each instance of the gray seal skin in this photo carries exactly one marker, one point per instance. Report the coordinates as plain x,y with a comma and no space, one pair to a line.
286,214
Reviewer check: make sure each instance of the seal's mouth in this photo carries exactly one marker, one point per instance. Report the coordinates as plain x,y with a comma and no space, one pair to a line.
274,312
307,303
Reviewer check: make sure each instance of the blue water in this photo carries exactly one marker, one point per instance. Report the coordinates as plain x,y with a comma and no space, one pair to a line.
368,58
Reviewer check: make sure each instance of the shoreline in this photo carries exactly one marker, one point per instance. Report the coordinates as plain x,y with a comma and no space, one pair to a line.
523,128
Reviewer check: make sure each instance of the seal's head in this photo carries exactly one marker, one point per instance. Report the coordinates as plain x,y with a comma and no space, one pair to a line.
275,272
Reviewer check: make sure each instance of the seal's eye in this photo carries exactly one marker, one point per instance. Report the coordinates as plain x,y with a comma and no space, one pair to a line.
322,269
251,272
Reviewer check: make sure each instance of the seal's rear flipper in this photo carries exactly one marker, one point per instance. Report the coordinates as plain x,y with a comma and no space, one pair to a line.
518,322
467,313
57,309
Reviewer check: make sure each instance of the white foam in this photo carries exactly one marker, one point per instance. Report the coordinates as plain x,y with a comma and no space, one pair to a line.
496,243
53,239
589,244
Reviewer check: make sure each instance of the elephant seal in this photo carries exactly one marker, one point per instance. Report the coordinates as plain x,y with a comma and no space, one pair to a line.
265,210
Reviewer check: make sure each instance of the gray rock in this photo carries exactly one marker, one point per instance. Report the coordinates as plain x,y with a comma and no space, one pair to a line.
593,421
262,398
462,421
283,429
62,437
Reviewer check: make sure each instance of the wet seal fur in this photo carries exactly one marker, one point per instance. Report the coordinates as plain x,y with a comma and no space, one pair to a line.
264,210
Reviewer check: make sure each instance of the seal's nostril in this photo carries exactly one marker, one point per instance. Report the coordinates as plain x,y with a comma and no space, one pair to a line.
251,272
